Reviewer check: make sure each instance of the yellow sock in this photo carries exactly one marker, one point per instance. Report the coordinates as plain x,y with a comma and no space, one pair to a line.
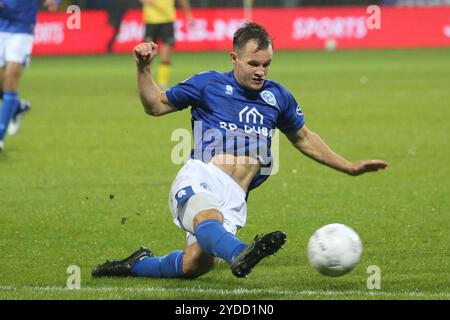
163,75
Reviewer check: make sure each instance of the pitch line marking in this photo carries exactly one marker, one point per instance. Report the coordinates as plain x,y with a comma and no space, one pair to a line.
237,291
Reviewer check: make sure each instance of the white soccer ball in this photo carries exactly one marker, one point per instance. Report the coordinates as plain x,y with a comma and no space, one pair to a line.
334,249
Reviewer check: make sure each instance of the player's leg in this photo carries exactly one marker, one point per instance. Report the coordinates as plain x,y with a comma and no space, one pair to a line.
2,70
218,237
197,209
219,240
194,260
165,53
24,106
163,75
16,121
212,236
151,33
2,75
12,74
190,263
199,257
15,50
3,38
199,213
116,11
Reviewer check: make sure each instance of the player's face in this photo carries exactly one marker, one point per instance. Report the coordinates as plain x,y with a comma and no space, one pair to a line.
251,66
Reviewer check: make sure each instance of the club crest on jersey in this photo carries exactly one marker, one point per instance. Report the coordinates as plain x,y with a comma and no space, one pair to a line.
268,97
183,195
229,90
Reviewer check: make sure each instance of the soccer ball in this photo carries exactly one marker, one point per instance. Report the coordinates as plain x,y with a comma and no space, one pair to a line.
334,249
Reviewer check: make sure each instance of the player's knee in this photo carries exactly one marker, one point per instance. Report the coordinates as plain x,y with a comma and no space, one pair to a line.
200,207
210,214
196,262
11,85
13,70
11,77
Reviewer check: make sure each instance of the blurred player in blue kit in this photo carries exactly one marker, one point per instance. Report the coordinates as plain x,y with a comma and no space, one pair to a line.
17,21
208,196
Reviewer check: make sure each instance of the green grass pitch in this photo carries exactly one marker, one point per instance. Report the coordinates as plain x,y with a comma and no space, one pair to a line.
88,177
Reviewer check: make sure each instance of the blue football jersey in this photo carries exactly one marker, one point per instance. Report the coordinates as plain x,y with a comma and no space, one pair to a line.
227,118
18,16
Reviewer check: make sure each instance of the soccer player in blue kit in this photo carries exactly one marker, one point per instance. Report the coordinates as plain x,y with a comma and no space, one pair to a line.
17,21
208,196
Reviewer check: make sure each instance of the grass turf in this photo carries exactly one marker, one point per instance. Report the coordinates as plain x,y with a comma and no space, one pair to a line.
88,178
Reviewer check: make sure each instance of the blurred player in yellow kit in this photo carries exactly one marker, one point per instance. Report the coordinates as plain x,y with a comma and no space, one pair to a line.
159,19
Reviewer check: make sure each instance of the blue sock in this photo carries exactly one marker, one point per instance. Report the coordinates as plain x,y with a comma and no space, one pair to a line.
215,240
10,104
169,266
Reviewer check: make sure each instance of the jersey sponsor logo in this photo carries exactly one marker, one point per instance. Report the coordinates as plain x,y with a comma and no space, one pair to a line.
251,115
252,121
229,90
268,97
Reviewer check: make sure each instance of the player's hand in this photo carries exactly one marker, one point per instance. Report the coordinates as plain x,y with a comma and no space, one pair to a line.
144,53
51,5
364,166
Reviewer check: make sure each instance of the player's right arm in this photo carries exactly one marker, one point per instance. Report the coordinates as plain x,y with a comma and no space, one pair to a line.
153,99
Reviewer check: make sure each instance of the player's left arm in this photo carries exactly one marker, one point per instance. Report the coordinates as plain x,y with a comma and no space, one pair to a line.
52,5
312,145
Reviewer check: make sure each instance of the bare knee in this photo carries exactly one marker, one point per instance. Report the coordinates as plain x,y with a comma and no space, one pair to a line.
12,76
210,214
196,262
